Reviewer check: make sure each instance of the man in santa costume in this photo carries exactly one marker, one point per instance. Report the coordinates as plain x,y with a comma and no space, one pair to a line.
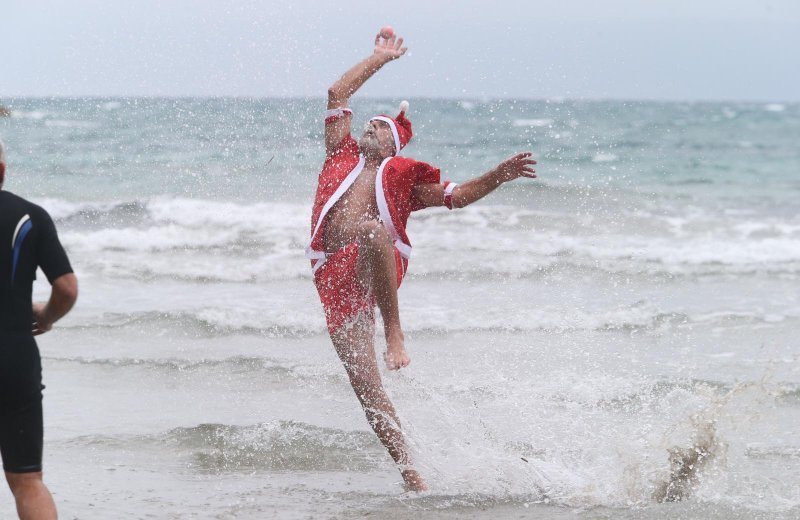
359,248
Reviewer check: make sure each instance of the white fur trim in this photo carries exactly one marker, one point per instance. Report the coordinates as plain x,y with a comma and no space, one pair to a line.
386,216
404,106
319,256
335,112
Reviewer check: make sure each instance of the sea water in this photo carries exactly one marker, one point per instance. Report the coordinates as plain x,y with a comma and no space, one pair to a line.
574,339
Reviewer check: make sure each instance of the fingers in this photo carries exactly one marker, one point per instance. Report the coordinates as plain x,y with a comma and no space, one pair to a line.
399,44
522,157
378,39
37,329
519,163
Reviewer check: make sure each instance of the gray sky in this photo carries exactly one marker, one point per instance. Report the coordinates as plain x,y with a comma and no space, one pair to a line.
633,49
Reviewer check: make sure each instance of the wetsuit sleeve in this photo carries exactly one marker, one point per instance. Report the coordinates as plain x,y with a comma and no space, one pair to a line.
50,254
425,174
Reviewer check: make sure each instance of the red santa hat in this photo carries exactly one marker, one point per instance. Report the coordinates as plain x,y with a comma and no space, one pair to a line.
400,125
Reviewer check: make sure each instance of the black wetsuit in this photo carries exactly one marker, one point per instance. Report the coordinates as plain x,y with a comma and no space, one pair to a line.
28,240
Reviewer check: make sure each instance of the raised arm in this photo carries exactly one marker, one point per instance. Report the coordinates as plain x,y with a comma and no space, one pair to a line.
386,50
516,166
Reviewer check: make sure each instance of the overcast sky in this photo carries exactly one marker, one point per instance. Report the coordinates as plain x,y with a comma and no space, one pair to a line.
630,49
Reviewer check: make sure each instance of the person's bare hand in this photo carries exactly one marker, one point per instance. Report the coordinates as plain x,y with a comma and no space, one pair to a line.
389,48
516,166
40,323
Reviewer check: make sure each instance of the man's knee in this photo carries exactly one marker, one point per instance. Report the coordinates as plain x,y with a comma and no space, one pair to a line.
19,482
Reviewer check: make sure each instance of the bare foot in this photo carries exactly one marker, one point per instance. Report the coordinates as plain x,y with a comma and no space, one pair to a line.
396,356
413,481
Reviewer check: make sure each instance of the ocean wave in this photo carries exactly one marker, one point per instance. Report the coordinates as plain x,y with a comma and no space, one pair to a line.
278,321
180,365
604,158
68,123
774,107
538,123
213,322
97,215
274,323
36,115
206,240
266,370
273,446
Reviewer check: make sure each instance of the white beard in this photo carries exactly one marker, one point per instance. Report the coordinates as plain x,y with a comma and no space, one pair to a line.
369,143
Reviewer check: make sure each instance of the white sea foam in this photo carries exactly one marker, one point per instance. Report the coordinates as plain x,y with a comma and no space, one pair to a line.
66,123
774,107
533,122
36,115
61,209
187,238
296,313
604,158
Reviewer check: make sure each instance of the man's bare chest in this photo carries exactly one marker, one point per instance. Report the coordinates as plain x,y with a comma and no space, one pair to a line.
361,194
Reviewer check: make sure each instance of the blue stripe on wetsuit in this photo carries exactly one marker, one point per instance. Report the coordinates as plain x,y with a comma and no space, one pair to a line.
23,232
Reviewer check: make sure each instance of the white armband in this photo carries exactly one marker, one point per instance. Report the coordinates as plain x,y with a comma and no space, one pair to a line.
448,193
335,113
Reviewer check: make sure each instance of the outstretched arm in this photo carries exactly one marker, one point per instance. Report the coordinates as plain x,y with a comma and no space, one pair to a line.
386,50
516,166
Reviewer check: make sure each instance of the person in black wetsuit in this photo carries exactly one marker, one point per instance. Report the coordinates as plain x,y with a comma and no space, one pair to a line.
28,240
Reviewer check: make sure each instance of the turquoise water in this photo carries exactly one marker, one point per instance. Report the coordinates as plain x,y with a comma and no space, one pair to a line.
269,149
567,333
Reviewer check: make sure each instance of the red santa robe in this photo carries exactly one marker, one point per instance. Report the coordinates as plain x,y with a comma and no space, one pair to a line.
335,277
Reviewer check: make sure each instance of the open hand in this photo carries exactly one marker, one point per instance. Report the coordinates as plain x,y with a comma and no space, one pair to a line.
516,166
389,48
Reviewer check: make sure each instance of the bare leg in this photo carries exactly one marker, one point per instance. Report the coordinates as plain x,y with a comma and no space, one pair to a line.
355,346
32,496
377,271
